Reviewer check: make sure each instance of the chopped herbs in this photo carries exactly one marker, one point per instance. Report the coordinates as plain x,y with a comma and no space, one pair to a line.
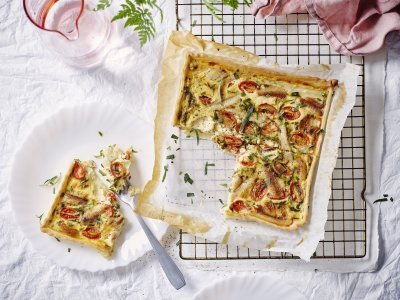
296,94
206,167
40,218
171,156
243,94
194,23
102,173
222,202
101,154
236,75
178,242
69,249
196,131
165,173
177,149
52,181
246,118
186,178
174,137
224,185
190,195
100,133
267,181
169,148
380,200
57,239
385,195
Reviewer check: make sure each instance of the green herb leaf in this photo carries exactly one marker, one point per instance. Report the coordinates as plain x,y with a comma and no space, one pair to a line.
194,23
380,200
171,156
174,137
57,239
222,202
100,133
178,242
103,4
165,173
295,94
186,178
40,218
196,131
246,118
236,75
52,181
206,167
190,195
69,249
137,14
224,185
101,154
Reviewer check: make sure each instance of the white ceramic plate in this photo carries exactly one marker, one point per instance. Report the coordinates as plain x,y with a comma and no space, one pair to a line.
254,287
70,133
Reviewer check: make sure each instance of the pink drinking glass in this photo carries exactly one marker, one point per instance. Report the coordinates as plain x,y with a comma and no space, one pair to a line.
71,29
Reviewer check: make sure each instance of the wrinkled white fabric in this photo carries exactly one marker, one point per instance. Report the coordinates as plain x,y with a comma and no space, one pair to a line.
33,83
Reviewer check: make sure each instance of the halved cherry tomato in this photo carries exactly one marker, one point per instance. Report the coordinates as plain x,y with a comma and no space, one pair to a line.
92,233
69,213
233,143
249,128
280,169
248,86
267,109
110,211
310,124
275,189
247,163
69,230
205,100
238,205
79,171
269,128
117,169
300,139
228,119
289,114
111,196
258,190
296,192
268,147
312,103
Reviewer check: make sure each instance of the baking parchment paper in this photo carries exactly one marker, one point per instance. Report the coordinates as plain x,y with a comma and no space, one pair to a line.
196,206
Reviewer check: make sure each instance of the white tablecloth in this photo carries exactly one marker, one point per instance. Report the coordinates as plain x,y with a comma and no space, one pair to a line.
34,83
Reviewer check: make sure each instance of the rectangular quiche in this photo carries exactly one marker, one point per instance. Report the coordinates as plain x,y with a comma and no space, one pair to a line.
272,122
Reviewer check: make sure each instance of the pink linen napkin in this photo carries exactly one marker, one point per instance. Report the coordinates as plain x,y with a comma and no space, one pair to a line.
352,27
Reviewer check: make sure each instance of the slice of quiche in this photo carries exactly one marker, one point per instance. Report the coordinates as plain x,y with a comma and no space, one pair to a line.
85,210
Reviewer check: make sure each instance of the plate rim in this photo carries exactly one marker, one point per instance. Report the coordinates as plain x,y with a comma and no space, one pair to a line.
10,185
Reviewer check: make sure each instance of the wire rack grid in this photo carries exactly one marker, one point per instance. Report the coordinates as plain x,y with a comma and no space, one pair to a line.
292,39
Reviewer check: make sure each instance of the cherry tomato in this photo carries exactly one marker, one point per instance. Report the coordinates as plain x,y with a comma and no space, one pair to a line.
68,230
300,139
269,128
117,169
258,190
296,192
238,205
92,233
69,213
310,124
249,128
280,169
248,86
110,211
79,171
233,143
289,114
205,100
267,109
228,119
111,196
247,163
312,103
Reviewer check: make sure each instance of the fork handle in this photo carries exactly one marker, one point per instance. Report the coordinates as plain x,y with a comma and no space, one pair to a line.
172,271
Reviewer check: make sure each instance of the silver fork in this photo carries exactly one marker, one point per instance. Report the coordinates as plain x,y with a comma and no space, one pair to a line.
172,271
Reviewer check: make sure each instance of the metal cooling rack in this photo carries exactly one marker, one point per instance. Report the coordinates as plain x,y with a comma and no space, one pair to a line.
292,39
